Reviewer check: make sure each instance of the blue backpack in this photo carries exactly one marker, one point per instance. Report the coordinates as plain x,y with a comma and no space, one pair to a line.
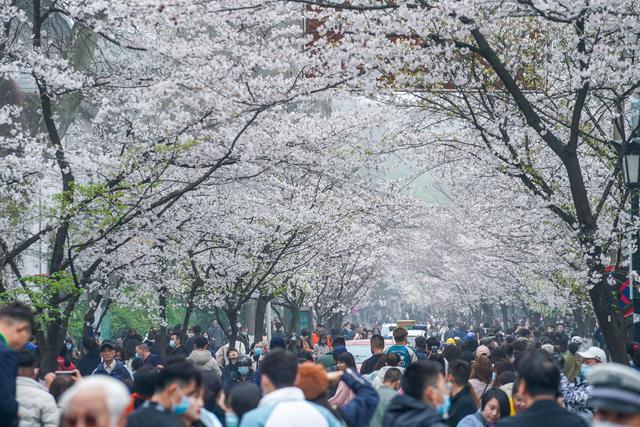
402,352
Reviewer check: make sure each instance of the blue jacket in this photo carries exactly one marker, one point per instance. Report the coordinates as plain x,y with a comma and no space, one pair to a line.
119,372
8,372
153,360
359,411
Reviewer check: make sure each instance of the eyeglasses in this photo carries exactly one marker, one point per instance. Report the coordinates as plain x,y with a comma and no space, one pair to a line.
87,420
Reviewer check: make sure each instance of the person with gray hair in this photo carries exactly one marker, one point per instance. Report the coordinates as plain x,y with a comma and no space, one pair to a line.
99,401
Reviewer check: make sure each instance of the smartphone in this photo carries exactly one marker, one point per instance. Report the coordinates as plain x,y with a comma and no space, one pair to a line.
64,372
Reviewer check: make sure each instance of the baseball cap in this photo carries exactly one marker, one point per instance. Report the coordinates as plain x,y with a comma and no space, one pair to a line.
106,344
594,353
483,350
548,348
616,388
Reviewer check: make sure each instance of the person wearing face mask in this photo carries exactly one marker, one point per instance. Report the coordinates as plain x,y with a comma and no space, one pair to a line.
615,396
176,395
537,386
148,358
494,405
576,394
425,400
177,349
245,368
193,413
37,405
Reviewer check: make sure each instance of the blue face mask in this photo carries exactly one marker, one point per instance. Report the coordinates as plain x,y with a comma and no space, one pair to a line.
443,409
230,420
584,371
172,343
258,352
181,407
243,370
493,376
69,346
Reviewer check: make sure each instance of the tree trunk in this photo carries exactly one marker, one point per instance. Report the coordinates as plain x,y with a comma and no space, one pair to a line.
261,309
334,321
50,345
162,301
90,316
232,315
505,315
190,304
610,321
581,324
293,325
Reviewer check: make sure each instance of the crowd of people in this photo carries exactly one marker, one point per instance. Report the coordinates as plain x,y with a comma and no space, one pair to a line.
452,376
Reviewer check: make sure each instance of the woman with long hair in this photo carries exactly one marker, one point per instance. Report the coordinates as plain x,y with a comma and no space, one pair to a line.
481,372
343,394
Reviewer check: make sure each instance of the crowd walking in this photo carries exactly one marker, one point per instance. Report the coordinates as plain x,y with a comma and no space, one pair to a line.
455,377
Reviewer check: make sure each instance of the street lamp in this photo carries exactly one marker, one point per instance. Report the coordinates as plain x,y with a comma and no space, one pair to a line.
631,170
631,164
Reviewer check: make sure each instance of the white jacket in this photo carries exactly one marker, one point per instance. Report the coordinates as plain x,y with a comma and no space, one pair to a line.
37,407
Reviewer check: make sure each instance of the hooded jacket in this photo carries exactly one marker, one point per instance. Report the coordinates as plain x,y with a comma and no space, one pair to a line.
203,360
37,405
287,406
406,411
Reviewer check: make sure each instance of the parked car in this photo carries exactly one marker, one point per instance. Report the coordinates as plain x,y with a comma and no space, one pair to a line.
361,349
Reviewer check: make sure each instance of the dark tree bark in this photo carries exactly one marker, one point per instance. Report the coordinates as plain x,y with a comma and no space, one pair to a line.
261,309
610,321
232,315
162,301
190,304
295,317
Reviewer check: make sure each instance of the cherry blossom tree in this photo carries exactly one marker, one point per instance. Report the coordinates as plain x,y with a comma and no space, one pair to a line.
540,85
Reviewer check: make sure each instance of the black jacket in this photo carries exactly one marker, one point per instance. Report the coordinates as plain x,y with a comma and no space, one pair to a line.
406,411
369,365
8,373
148,415
88,363
544,413
462,404
180,352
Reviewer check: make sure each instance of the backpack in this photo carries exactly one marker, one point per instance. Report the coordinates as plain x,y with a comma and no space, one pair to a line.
402,352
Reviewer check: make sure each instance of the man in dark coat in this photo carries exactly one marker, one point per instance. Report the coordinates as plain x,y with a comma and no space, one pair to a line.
462,402
217,337
377,353
177,347
539,388
16,324
110,366
424,398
